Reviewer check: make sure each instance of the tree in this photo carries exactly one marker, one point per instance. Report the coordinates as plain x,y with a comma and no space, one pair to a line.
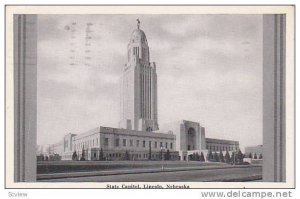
209,156
221,157
227,157
250,155
240,156
216,157
255,156
233,157
82,155
192,157
74,156
167,156
56,157
202,157
260,156
40,157
197,157
101,155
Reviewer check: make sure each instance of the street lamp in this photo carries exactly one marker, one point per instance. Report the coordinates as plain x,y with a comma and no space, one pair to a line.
162,157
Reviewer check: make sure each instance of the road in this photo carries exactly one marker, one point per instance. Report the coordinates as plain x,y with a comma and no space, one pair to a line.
228,174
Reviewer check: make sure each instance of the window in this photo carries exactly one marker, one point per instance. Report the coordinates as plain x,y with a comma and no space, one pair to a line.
171,145
131,142
166,145
124,142
136,51
155,144
144,143
106,142
161,144
137,143
117,141
149,144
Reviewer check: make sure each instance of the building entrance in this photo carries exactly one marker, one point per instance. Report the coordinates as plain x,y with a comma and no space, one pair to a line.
191,139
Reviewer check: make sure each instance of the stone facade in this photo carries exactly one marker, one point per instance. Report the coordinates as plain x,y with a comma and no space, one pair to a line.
190,137
139,86
216,145
116,143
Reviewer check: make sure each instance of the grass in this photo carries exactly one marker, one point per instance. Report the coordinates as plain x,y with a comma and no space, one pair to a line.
79,166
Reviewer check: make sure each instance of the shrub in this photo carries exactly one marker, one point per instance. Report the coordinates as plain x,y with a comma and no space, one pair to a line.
255,156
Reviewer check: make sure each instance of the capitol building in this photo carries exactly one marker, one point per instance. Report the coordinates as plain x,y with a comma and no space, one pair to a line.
139,136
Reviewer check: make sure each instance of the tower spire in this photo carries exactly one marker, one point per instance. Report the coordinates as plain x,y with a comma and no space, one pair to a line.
138,23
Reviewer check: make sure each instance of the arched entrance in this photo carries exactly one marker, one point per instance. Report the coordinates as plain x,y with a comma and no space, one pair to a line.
191,139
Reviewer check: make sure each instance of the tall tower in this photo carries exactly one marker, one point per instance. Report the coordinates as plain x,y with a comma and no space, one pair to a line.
139,86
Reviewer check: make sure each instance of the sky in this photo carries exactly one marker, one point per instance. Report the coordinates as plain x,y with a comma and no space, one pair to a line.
209,70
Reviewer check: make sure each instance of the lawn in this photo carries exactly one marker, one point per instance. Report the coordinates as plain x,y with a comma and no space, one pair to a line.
79,166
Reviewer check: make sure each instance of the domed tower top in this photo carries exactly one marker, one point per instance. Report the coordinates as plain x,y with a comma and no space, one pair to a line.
138,35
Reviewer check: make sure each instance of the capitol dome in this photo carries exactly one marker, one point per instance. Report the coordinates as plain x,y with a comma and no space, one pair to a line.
138,36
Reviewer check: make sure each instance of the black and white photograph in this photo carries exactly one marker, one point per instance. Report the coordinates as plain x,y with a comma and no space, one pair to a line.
142,99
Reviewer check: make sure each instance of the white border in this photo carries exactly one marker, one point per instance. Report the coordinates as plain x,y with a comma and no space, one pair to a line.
288,10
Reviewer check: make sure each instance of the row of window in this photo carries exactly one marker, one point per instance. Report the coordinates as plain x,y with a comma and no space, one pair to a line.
137,143
95,142
86,144
136,52
223,148
144,155
145,93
